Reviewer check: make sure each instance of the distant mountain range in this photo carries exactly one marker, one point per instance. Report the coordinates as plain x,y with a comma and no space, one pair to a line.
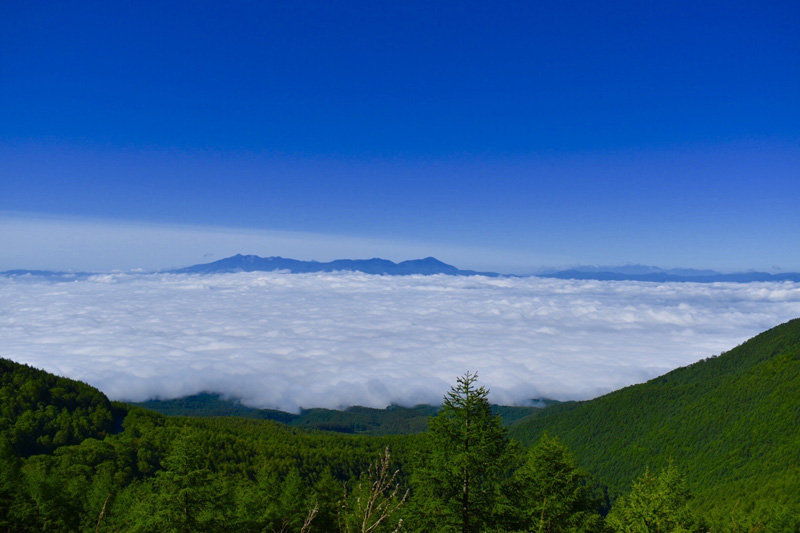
431,265
254,263
654,274
638,270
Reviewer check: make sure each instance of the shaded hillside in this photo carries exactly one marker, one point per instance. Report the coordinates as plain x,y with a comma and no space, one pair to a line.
206,404
731,422
177,473
392,420
40,411
66,466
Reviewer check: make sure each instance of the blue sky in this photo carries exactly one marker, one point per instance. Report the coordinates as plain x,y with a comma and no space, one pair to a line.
506,136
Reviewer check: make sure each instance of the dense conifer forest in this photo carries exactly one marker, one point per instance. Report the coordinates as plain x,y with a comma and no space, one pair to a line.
731,423
710,447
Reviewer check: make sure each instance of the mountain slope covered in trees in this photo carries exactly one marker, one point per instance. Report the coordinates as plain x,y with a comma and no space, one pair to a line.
40,412
163,473
731,422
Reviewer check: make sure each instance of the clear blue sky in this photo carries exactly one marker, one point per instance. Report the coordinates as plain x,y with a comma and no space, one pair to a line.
531,133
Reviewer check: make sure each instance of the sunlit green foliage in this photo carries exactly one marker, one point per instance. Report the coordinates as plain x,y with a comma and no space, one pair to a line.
460,480
730,422
656,502
40,412
553,494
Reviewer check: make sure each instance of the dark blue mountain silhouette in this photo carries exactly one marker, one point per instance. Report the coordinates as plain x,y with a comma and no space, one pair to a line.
666,276
430,266
637,270
254,263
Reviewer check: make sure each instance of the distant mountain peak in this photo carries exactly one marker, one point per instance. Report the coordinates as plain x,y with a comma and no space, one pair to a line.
376,265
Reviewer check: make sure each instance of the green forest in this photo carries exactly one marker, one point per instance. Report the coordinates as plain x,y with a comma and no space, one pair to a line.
710,447
393,420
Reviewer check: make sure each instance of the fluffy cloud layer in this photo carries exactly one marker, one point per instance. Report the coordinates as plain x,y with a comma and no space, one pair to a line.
329,340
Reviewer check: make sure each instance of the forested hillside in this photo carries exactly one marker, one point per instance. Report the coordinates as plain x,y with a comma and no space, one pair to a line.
711,447
160,473
731,422
40,411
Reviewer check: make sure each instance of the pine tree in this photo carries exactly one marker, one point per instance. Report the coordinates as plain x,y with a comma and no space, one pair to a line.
294,502
190,497
656,503
327,494
459,482
553,493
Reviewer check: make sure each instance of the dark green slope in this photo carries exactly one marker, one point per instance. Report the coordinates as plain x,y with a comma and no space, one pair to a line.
394,420
66,464
731,422
40,411
207,404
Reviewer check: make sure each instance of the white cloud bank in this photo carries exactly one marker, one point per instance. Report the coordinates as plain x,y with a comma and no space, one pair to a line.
330,340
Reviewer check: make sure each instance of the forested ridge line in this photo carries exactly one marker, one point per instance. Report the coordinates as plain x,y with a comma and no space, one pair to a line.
731,422
393,420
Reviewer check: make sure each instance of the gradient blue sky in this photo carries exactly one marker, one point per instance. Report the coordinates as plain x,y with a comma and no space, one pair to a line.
494,135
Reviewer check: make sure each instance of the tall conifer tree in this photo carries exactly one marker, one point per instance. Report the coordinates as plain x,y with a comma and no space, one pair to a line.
459,484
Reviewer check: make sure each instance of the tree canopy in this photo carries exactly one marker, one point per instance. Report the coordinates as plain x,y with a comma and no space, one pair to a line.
468,460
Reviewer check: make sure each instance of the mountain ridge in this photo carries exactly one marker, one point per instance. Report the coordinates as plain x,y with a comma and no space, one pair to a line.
253,263
432,266
667,277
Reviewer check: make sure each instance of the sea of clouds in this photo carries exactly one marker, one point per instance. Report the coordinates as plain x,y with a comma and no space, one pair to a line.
291,341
